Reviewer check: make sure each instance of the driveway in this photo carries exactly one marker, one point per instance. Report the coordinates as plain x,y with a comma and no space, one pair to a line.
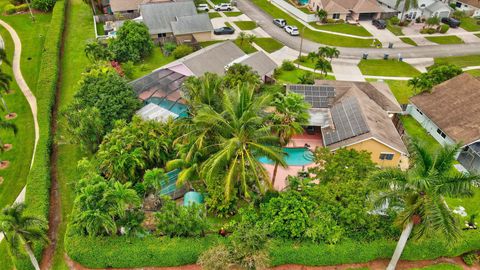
265,21
347,70
383,35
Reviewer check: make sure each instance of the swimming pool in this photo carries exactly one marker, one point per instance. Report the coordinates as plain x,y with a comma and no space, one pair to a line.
175,107
294,157
302,2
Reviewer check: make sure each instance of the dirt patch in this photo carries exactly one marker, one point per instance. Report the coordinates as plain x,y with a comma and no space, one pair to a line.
7,147
11,116
4,164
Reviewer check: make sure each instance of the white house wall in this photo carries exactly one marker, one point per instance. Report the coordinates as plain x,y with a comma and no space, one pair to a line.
429,126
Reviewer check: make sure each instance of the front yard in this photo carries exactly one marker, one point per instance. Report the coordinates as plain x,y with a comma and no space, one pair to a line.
393,68
344,28
246,25
461,61
445,39
470,24
268,44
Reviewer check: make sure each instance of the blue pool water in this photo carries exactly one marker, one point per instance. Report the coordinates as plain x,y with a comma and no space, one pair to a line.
177,108
302,2
294,157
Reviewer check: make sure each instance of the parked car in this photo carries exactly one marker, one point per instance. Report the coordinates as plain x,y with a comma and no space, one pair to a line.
203,7
380,24
280,22
453,23
224,31
292,30
223,7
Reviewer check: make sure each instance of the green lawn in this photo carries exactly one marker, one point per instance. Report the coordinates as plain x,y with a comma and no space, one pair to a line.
395,29
440,266
400,90
446,40
394,68
268,44
214,15
245,46
474,72
291,77
74,61
228,24
345,28
478,35
408,41
208,43
470,24
461,61
415,130
246,25
154,61
232,13
323,38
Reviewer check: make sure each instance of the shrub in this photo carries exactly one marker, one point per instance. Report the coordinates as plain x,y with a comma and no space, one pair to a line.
169,47
394,20
340,21
216,258
182,51
132,42
302,59
329,20
9,9
17,2
458,14
470,259
43,5
288,65
21,8
444,28
178,220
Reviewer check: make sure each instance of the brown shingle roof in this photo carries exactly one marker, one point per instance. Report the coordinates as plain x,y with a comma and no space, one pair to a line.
475,3
454,106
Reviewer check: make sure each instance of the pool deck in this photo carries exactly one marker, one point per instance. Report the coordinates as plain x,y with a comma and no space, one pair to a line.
314,140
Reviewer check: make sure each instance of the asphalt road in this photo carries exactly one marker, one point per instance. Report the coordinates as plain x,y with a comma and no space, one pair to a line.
265,21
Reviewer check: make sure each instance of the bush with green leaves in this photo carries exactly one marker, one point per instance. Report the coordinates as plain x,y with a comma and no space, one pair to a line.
182,51
444,28
43,5
394,20
435,75
169,47
9,9
470,259
177,220
132,42
288,65
16,2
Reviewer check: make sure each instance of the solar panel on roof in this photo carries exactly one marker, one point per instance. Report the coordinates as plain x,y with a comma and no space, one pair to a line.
348,120
317,95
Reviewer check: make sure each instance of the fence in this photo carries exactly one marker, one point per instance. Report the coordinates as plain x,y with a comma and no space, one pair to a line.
116,17
295,11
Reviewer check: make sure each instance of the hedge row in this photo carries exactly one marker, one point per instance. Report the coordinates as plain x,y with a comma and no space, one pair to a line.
125,252
38,181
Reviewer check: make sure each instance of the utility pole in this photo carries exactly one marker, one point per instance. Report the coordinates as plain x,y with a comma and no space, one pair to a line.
301,46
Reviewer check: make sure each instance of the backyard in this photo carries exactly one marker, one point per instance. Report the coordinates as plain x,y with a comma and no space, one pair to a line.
152,62
393,68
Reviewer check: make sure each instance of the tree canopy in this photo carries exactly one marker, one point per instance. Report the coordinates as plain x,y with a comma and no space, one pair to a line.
132,42
434,76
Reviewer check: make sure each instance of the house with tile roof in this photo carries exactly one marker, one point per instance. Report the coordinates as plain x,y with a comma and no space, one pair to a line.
349,9
450,113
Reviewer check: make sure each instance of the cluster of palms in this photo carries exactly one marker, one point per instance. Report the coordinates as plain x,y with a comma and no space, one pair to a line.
322,59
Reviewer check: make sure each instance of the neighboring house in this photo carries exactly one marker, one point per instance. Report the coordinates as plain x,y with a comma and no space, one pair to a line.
426,8
128,6
218,57
451,114
176,19
349,9
471,7
356,115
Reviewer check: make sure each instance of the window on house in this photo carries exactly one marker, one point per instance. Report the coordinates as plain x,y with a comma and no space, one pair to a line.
386,156
419,112
162,35
458,4
441,133
336,16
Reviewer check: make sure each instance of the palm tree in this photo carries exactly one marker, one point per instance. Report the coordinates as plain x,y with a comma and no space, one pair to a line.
240,136
331,52
323,65
152,179
121,196
206,90
406,6
5,80
21,229
420,194
291,114
242,37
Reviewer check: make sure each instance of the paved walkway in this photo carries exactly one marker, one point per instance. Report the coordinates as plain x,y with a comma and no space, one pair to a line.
347,70
32,101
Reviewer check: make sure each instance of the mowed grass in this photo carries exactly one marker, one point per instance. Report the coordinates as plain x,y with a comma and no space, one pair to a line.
323,38
461,61
245,46
393,68
246,25
74,62
415,130
474,72
395,29
268,44
401,90
292,77
470,24
344,28
408,41
213,15
232,13
154,61
445,40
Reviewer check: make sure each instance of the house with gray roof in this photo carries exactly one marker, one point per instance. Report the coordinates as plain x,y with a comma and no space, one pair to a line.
425,9
177,19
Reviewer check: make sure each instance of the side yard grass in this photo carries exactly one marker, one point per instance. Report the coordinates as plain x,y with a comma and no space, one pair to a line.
154,61
445,40
415,130
246,25
344,28
400,90
245,46
394,68
474,72
408,41
213,15
232,13
470,24
323,38
268,44
461,61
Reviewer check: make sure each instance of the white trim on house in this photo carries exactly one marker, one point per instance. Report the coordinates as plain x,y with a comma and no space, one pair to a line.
366,139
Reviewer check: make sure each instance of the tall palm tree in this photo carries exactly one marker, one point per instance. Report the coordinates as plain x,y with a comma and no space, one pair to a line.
420,194
329,52
239,136
206,90
20,229
407,4
323,65
291,114
5,80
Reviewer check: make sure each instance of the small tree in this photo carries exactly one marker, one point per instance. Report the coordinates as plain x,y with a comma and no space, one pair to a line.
132,42
435,75
5,80
432,21
322,15
242,37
